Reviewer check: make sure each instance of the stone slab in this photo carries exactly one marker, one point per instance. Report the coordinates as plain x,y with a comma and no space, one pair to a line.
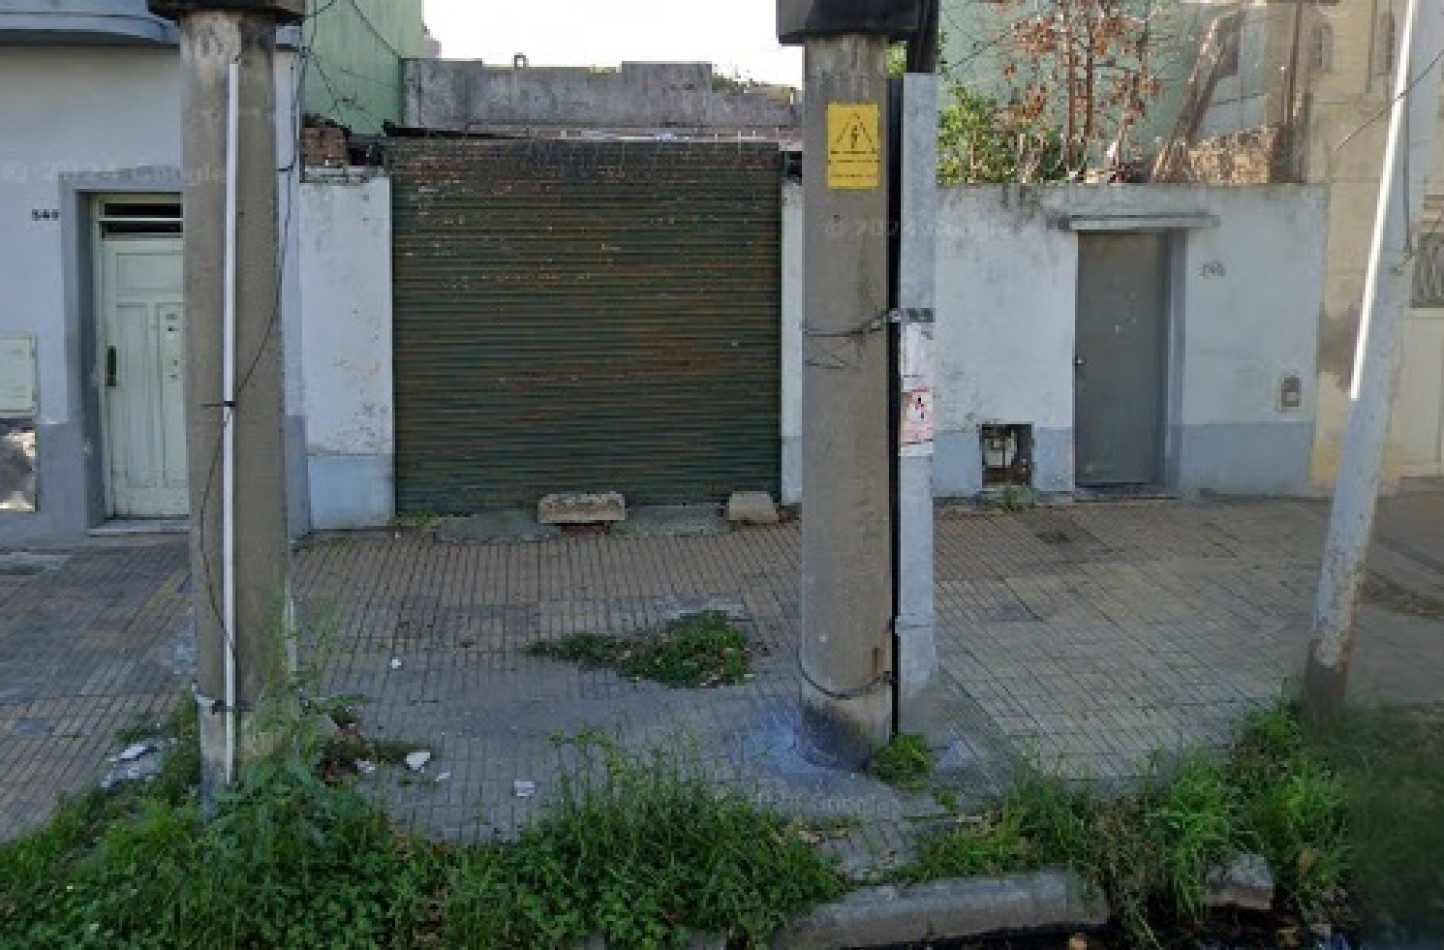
1247,882
591,508
752,507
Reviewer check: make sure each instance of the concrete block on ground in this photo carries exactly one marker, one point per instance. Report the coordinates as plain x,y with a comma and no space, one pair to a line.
1247,882
590,508
946,910
752,507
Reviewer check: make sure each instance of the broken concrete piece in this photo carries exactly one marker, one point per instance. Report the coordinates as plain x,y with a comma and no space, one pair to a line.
523,789
416,761
601,508
134,752
1246,883
395,663
752,507
364,767
135,764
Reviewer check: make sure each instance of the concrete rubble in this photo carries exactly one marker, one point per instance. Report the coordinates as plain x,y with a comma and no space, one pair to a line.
1246,882
597,508
752,507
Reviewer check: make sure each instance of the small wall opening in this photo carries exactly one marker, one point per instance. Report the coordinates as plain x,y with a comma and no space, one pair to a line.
1007,454
18,464
18,410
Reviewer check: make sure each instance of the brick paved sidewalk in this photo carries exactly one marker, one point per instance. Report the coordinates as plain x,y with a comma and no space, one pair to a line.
1086,637
88,644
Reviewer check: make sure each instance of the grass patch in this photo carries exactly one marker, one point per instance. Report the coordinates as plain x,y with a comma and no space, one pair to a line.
1150,850
697,651
1390,763
643,849
418,521
1041,823
905,762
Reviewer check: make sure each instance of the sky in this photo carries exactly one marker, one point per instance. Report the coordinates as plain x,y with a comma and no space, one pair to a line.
738,36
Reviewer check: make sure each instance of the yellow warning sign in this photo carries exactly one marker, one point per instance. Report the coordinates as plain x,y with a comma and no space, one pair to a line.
854,146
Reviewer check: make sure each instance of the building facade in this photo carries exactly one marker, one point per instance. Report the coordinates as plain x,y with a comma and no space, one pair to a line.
1328,75
92,356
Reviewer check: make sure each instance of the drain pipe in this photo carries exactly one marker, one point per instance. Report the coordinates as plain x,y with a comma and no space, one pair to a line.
228,429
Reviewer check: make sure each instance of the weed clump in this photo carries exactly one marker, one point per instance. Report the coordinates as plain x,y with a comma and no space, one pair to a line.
696,652
644,850
286,861
1151,850
905,762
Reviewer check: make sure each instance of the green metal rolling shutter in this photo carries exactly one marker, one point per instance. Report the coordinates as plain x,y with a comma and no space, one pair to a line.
585,316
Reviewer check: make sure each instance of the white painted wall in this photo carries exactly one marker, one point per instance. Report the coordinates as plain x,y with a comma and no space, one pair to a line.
64,112
73,116
1246,300
345,286
345,273
1005,297
1252,296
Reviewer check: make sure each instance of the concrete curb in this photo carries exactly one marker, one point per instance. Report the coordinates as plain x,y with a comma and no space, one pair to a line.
945,910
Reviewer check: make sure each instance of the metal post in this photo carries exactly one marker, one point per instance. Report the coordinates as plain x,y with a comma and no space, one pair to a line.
211,41
1408,156
916,626
847,650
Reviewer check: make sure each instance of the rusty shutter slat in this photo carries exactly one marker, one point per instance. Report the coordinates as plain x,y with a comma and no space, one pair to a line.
584,316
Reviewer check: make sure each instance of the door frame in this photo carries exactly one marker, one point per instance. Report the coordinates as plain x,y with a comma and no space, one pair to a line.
83,198
102,507
1174,241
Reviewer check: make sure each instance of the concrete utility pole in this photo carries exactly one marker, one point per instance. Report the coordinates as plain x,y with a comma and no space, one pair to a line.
231,267
1408,156
847,661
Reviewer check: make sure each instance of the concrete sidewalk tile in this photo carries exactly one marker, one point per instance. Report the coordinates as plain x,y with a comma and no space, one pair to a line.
1087,639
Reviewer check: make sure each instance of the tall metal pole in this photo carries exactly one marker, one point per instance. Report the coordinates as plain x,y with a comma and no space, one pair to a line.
249,653
847,643
1408,156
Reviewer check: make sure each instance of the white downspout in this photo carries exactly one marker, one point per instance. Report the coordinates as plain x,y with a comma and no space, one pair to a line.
228,429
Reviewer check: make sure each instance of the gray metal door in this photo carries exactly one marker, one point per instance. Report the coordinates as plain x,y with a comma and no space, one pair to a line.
1121,343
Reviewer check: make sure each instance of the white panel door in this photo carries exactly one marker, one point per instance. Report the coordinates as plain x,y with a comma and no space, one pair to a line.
1418,423
142,367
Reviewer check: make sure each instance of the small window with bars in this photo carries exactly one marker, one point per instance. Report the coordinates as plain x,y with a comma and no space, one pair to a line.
161,215
1429,272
